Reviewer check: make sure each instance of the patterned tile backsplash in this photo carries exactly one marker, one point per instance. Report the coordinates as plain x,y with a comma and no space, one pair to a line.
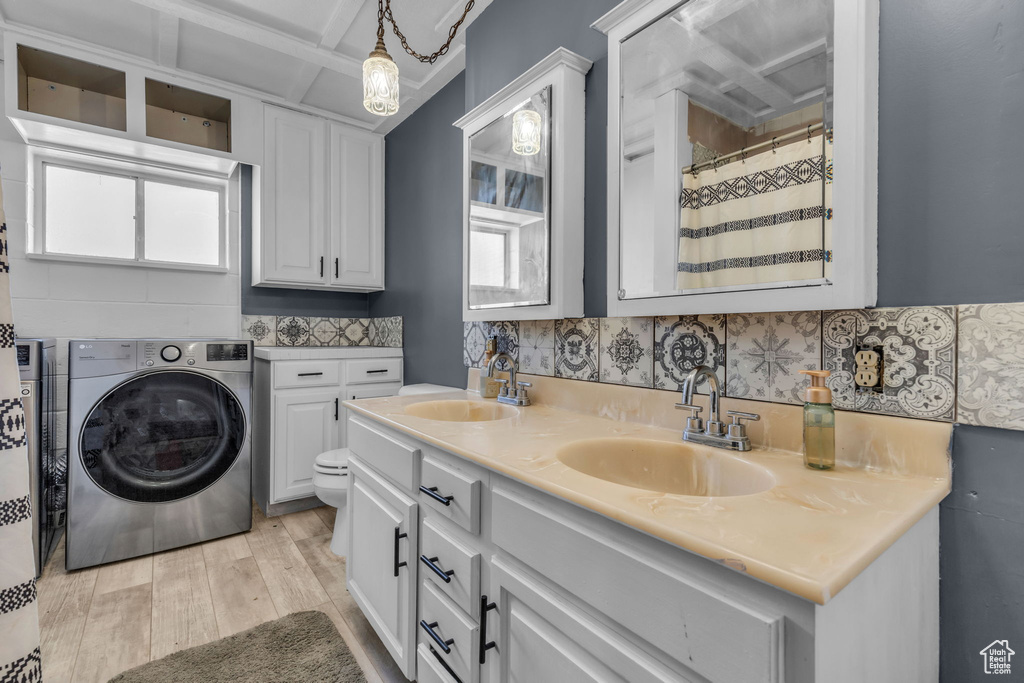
945,363
290,330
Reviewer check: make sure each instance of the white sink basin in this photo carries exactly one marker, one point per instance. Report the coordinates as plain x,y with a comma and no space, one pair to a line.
666,467
461,411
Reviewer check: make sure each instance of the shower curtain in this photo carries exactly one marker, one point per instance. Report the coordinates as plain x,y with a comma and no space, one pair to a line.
758,220
19,620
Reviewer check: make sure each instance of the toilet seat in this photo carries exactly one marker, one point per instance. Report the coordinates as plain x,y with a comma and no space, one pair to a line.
334,462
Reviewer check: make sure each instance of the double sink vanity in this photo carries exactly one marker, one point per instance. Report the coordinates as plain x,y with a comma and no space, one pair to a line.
579,538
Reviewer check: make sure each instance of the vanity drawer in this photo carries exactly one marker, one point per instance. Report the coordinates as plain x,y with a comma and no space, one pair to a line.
701,625
368,370
430,666
393,458
448,623
449,555
306,373
451,493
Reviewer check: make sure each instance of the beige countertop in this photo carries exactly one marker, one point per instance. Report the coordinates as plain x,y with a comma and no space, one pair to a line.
810,534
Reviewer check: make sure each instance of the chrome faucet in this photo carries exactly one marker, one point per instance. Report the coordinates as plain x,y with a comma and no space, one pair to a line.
512,392
714,433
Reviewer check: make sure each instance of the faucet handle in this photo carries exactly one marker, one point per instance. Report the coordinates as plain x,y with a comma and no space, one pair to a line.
737,429
738,415
521,389
693,423
504,387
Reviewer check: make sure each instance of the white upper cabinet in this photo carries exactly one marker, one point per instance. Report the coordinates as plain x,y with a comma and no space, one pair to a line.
742,155
322,224
293,244
523,155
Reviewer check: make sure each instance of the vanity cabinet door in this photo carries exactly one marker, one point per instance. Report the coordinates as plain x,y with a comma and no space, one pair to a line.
382,560
539,635
306,424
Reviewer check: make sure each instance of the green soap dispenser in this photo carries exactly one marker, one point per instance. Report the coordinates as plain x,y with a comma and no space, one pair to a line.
819,423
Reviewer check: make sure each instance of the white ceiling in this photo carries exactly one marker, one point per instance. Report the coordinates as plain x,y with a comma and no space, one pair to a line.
300,52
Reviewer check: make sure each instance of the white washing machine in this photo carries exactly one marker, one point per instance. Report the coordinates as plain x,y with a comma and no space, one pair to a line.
159,451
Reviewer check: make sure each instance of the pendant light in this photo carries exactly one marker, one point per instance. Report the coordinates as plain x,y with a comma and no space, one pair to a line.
526,132
380,73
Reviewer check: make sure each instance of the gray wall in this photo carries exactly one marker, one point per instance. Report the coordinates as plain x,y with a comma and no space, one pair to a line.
423,238
951,198
950,206
266,301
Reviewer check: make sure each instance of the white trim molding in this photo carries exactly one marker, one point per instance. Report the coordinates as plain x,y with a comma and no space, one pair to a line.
565,73
852,282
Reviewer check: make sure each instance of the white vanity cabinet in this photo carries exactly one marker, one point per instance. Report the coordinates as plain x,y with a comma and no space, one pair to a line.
297,414
322,219
520,585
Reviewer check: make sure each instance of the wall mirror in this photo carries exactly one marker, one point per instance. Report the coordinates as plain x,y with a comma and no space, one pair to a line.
744,172
523,208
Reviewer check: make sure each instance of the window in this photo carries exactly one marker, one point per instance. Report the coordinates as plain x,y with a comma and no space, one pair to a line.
128,213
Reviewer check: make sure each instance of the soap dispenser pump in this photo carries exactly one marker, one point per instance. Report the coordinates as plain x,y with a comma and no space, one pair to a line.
819,423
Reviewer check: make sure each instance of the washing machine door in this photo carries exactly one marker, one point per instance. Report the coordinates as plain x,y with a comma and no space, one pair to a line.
162,436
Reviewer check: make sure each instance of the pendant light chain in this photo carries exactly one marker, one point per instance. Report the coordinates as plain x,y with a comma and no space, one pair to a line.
384,12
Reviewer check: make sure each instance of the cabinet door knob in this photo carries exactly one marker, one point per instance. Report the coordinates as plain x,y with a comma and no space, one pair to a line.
485,607
321,266
399,536
441,642
335,268
432,492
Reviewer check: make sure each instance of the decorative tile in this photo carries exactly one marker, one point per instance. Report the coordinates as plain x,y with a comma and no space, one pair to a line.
919,349
537,347
577,349
507,332
684,342
474,343
324,332
261,329
292,331
354,331
386,331
766,352
990,375
627,351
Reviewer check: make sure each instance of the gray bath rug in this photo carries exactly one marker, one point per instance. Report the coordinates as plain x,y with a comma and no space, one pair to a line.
304,646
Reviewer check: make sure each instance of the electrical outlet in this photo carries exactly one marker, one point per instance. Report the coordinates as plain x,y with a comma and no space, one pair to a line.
868,376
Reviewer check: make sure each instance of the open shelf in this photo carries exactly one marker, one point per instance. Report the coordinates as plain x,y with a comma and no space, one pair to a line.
72,89
187,116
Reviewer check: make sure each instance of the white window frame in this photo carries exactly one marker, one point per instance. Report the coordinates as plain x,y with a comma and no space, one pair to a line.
39,159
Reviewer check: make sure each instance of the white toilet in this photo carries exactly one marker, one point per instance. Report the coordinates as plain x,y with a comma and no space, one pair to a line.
330,476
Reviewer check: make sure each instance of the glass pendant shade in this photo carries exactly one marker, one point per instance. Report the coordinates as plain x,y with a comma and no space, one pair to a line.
526,132
380,83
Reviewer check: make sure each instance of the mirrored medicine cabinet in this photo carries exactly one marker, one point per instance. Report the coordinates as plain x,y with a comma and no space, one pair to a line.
742,164
523,196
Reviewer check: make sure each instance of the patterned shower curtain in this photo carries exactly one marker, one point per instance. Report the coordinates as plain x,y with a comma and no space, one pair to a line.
19,620
759,220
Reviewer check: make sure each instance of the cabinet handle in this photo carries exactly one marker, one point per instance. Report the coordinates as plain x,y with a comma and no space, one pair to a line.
376,372
485,607
321,266
447,667
310,374
399,536
446,576
335,268
335,409
441,642
432,492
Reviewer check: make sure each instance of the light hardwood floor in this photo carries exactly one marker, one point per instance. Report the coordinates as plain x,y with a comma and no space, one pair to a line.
100,621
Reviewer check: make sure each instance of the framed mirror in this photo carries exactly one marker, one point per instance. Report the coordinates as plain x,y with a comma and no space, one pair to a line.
523,208
744,175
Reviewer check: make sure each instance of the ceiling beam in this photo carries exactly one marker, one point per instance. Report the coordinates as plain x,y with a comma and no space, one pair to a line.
260,35
302,83
800,54
340,22
167,40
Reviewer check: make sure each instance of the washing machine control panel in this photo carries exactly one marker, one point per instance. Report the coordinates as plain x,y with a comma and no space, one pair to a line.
210,355
170,353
